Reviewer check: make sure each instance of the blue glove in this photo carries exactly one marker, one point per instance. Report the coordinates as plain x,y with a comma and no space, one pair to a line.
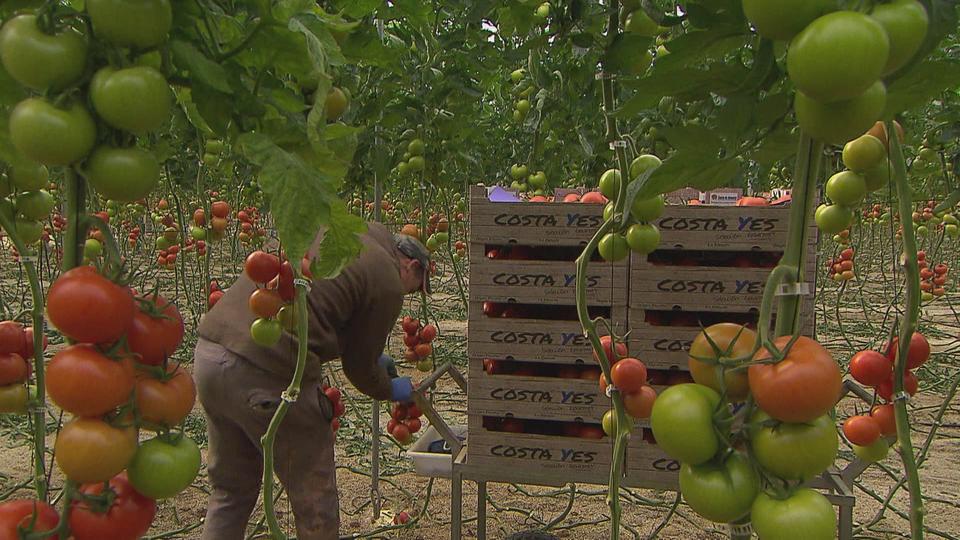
388,364
401,390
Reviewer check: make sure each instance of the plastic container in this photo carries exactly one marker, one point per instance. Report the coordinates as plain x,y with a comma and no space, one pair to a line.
433,464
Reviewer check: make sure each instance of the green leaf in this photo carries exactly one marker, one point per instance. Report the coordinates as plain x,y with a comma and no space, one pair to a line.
340,244
636,185
302,198
201,68
185,98
924,82
215,107
718,174
693,139
358,9
776,146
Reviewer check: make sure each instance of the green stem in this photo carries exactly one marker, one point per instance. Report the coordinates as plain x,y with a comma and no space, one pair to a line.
74,209
38,403
809,158
292,392
907,327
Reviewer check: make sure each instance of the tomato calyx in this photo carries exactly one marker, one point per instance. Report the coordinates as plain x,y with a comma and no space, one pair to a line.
99,503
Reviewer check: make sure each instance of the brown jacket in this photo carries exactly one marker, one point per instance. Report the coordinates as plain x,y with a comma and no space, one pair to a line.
349,316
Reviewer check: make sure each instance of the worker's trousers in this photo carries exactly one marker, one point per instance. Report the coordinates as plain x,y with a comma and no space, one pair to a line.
239,400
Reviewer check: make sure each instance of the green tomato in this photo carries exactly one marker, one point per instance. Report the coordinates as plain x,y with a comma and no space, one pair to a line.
403,168
135,99
416,147
161,243
804,515
141,24
543,11
682,422
523,106
265,332
926,296
150,59
928,155
433,243
613,247
863,153
878,176
783,19
950,219
643,238
425,365
35,204
28,230
721,492
609,423
13,399
842,121
838,56
214,146
416,163
643,163
638,22
875,452
846,188
538,180
198,233
161,469
610,183
795,452
647,210
39,60
517,116
516,75
832,218
29,176
122,174
92,248
905,22
518,172
922,230
50,135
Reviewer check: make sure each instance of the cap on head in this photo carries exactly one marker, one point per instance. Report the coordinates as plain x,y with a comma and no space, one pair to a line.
412,248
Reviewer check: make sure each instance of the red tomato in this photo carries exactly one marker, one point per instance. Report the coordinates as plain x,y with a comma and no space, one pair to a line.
333,394
629,375
220,209
413,411
861,430
910,384
12,339
155,334
870,368
261,267
917,353
591,432
402,434
606,341
285,282
511,425
428,333
265,303
215,297
13,369
399,412
84,382
89,308
413,424
128,517
165,402
885,417
639,404
20,514
411,341
802,387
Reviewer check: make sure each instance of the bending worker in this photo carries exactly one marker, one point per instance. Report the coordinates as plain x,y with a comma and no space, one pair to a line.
239,384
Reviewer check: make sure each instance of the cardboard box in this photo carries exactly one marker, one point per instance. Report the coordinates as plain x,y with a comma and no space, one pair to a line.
545,282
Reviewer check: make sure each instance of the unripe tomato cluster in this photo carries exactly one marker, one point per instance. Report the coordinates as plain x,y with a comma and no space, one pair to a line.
868,169
24,202
418,338
438,230
122,349
16,356
336,398
412,160
839,99
129,101
272,300
533,182
639,234
875,369
404,422
933,280
523,89
841,268
630,378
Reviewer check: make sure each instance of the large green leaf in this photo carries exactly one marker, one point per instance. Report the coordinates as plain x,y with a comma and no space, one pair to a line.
920,85
340,244
201,68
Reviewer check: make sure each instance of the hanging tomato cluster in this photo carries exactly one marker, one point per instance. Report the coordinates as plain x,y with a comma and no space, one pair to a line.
122,349
639,233
272,301
418,339
630,378
215,294
932,281
25,203
841,268
336,398
200,231
250,230
16,354
404,422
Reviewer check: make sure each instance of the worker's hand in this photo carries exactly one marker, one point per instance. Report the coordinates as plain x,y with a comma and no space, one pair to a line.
401,389
387,363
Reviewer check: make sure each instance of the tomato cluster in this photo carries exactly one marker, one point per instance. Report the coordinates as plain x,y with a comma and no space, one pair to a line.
418,338
639,233
272,301
794,396
250,231
215,294
25,203
16,354
336,398
838,99
404,422
932,282
876,214
629,377
523,89
413,159
841,268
